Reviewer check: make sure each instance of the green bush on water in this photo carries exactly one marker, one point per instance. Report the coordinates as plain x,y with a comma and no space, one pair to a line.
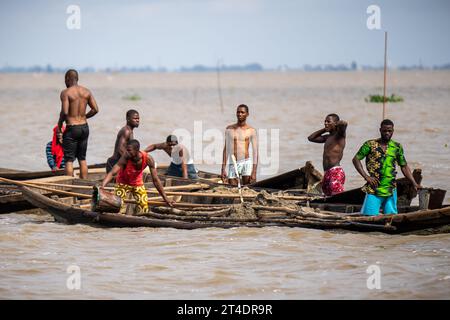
376,98
132,97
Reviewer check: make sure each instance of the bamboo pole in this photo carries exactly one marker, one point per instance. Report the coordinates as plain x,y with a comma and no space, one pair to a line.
86,196
232,195
219,87
192,186
73,194
385,71
175,193
187,204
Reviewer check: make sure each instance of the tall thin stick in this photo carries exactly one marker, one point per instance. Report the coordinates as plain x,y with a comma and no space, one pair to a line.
219,87
385,71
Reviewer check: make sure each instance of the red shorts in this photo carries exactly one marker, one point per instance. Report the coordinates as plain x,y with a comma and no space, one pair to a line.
333,181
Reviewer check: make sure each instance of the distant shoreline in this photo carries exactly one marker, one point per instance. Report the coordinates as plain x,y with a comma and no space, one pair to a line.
229,72
251,67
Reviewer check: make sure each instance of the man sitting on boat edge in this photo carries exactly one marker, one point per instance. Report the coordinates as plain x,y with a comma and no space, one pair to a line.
129,178
381,157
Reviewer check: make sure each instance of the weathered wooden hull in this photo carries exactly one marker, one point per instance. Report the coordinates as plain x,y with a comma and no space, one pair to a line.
28,175
392,224
306,178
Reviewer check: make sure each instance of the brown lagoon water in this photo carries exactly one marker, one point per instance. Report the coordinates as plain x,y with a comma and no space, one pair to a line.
267,263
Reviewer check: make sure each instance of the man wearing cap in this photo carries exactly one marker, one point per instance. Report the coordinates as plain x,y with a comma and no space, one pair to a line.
182,164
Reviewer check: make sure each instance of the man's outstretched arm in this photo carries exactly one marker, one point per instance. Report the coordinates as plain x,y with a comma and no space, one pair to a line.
121,163
153,147
156,181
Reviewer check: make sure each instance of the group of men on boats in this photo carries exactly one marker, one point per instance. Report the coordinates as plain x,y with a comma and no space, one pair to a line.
128,162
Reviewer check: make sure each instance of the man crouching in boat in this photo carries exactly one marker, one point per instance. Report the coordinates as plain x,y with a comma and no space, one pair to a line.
333,137
181,164
129,172
381,157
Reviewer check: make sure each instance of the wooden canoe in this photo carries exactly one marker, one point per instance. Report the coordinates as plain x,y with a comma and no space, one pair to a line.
11,199
303,180
307,179
70,210
28,175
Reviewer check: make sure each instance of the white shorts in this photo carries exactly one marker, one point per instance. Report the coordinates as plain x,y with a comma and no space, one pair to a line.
244,166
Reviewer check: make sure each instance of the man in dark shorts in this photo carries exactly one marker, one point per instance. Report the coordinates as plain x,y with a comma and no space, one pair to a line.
74,100
125,134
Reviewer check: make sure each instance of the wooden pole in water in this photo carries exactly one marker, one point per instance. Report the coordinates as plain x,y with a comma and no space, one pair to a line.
385,71
219,87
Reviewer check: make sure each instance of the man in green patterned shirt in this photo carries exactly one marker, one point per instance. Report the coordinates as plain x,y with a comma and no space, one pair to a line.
382,155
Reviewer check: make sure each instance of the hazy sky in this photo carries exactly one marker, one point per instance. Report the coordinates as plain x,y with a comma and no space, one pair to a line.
174,33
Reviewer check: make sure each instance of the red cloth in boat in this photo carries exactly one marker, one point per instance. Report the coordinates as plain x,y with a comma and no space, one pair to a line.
57,148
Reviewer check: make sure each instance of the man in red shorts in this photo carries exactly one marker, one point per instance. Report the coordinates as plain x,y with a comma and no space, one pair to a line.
333,137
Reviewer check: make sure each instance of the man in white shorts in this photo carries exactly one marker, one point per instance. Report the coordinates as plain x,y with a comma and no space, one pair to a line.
238,137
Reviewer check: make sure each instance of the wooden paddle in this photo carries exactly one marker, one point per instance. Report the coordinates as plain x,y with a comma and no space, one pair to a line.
193,186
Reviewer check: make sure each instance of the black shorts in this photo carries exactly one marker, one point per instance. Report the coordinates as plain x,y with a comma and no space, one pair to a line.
110,163
75,141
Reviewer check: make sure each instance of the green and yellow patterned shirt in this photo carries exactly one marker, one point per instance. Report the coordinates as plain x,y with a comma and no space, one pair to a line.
381,165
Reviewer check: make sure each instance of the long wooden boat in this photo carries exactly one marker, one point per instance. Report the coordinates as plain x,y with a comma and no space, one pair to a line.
28,175
12,200
71,210
305,179
302,180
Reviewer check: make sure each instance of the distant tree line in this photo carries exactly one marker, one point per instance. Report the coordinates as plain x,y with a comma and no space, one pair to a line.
251,67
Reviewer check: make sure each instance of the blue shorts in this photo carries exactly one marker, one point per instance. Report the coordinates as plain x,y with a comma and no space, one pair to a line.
177,171
373,203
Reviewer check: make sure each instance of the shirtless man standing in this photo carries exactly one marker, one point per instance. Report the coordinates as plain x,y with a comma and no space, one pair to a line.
74,100
125,134
333,151
238,137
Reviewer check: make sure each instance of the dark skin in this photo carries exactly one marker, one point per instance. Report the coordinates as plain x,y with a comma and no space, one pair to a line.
334,141
386,132
167,147
74,101
250,136
135,156
124,135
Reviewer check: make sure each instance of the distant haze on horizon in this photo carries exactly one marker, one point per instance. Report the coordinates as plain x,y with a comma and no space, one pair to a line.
176,33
